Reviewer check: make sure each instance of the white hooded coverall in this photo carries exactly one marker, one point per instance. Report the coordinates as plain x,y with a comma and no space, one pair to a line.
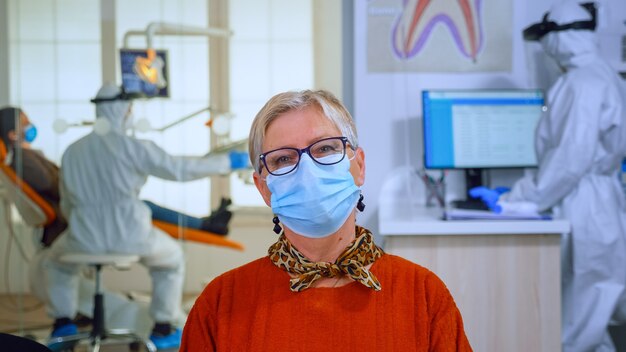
580,144
101,176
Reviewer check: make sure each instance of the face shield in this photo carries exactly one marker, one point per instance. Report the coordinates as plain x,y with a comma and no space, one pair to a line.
542,70
538,30
113,106
122,95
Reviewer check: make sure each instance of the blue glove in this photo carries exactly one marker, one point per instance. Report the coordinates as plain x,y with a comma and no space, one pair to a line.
488,196
239,160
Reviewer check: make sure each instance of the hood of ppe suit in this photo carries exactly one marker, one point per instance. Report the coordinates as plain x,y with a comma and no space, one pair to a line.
570,48
114,111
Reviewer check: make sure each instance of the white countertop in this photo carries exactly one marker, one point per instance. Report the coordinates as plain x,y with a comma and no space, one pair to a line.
406,219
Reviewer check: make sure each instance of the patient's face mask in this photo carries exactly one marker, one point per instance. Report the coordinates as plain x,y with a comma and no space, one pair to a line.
30,133
314,200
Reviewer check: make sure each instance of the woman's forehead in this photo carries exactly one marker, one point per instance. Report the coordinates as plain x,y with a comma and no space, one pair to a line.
24,119
298,129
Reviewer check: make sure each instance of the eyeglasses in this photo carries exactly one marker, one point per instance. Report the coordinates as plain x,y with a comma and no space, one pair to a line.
327,151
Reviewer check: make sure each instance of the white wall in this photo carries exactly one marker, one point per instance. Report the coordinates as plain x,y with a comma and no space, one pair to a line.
4,55
387,106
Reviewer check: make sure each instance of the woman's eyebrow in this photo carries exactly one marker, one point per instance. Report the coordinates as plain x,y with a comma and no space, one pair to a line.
310,141
324,136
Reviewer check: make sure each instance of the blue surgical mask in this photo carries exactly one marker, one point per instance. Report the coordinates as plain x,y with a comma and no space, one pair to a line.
314,200
30,133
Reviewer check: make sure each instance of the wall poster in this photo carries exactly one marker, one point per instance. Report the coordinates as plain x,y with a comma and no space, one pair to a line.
439,35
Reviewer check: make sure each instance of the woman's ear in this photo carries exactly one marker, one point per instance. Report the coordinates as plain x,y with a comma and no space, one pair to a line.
261,185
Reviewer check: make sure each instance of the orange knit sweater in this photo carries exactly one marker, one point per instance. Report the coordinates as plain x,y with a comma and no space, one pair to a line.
252,309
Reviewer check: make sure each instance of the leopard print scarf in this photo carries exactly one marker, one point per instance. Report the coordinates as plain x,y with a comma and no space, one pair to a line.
352,262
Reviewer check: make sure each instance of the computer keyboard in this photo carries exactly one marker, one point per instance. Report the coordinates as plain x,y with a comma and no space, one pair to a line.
469,204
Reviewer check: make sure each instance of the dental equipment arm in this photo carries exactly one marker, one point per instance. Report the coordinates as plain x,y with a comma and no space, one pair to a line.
162,28
182,119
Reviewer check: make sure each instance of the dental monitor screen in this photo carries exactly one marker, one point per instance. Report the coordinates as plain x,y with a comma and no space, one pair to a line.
480,129
145,72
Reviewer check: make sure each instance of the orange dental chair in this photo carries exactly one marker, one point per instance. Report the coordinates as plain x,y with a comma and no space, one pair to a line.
34,210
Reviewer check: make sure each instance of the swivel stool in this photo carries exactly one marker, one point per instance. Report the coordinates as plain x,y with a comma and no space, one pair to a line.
99,332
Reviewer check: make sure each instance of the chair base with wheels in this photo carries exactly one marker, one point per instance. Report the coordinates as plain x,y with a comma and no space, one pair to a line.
99,332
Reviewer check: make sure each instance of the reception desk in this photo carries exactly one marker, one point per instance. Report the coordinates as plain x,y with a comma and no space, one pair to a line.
503,275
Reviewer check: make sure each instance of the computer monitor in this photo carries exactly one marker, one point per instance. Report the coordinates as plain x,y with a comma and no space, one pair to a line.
145,73
480,129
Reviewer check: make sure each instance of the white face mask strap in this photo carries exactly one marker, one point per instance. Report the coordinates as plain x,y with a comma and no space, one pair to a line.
353,150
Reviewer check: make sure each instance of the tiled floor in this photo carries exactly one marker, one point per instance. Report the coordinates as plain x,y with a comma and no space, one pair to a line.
23,315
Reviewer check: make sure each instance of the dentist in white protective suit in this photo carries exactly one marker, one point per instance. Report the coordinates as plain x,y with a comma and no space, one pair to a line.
101,177
580,144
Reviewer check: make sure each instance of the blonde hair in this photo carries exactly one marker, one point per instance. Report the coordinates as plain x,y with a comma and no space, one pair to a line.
285,102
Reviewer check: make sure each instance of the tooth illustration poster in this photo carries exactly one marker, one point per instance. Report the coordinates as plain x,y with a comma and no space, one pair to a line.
439,35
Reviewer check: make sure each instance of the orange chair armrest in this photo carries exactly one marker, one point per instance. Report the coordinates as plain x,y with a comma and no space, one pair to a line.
194,235
30,193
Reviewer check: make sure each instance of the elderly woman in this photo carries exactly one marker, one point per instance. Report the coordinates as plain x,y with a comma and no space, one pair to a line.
325,285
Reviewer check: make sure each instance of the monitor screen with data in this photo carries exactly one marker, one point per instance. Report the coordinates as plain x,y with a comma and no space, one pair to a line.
467,129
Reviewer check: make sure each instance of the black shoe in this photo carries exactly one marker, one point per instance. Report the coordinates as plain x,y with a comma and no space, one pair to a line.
218,221
82,320
224,204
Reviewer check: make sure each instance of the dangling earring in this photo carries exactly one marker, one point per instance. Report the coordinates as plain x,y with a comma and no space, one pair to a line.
360,205
277,227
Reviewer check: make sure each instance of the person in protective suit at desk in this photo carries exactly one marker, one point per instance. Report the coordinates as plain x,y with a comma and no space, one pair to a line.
580,144
101,177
